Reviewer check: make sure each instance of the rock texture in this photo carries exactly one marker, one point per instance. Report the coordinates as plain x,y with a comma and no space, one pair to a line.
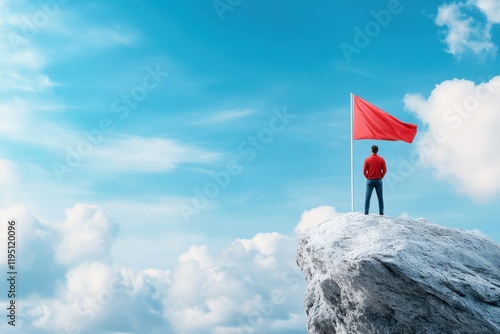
373,274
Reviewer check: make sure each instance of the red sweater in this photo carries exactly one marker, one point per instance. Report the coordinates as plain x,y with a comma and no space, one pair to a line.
374,167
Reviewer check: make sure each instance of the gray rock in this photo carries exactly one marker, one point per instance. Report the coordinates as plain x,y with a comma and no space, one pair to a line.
381,275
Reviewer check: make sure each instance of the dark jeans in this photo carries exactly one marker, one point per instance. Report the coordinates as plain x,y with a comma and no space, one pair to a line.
377,184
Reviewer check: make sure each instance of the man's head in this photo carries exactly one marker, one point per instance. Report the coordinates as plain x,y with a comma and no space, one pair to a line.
374,149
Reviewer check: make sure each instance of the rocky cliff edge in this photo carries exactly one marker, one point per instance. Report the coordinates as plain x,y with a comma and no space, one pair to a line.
376,274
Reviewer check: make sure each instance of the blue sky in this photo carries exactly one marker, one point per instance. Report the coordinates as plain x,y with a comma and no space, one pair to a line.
171,147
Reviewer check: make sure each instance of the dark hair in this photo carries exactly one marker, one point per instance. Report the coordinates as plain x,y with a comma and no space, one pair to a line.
374,149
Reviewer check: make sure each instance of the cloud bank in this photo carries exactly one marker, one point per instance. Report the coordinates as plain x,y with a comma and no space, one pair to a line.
71,284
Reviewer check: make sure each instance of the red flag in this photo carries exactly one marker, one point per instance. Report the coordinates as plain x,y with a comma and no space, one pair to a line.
371,122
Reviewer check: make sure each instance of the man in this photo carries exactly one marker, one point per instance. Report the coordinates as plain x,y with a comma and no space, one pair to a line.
374,170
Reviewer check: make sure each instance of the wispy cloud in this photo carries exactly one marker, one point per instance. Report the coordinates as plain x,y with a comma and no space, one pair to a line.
26,90
341,66
149,155
23,122
22,24
225,116
28,99
21,63
110,36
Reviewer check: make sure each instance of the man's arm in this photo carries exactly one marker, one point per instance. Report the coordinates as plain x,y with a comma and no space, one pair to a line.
384,168
365,168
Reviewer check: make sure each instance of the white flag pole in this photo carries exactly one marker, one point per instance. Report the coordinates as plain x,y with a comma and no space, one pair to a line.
352,155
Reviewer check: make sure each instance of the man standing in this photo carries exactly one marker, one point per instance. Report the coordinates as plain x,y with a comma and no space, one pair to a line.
374,170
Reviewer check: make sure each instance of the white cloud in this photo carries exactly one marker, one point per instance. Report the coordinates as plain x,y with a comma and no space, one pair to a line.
464,31
253,286
98,298
88,290
461,136
490,8
87,235
315,216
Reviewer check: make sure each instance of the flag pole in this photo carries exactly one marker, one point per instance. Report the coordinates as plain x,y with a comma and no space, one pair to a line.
352,156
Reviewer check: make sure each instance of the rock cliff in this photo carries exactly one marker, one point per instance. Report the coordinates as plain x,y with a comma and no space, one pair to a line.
376,274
